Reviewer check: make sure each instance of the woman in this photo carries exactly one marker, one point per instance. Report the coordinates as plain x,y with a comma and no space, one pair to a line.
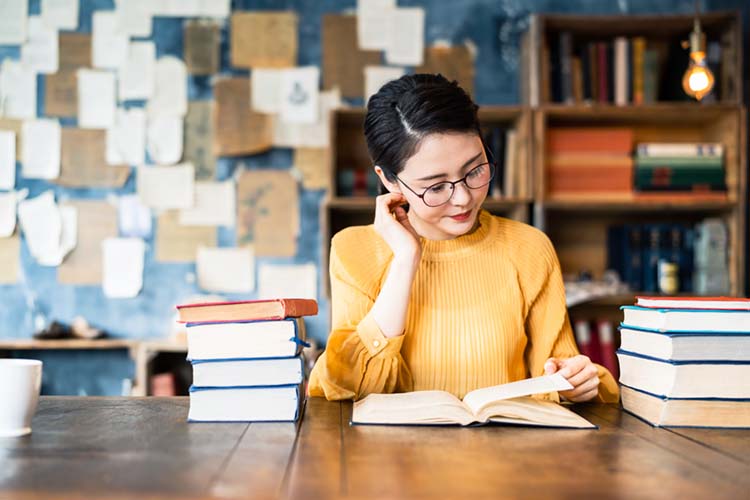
437,293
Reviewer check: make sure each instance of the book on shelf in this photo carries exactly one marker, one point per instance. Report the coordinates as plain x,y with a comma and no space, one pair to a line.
502,404
664,302
256,372
246,404
605,332
245,339
685,412
680,149
267,309
686,320
682,346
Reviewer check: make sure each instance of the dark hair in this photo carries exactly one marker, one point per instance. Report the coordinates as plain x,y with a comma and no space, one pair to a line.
406,110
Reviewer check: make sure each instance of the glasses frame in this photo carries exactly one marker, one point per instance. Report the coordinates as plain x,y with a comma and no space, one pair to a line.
493,169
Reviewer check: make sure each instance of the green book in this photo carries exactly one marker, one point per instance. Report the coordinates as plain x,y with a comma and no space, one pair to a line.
677,161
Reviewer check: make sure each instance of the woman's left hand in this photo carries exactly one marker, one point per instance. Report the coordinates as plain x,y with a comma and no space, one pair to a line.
580,372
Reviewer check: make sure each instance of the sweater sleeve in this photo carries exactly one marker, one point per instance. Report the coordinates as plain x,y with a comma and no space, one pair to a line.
358,359
547,324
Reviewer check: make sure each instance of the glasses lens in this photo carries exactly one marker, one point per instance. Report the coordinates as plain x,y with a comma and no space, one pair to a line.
438,194
480,176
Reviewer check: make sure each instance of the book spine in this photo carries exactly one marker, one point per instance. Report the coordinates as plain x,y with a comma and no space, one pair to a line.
639,46
680,161
650,76
633,259
584,339
711,150
602,72
651,254
621,70
566,69
606,333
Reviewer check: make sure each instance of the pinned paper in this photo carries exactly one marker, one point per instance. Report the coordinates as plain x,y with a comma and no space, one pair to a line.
164,139
15,126
191,8
75,50
372,23
61,94
134,17
166,187
294,280
315,165
126,140
202,39
13,22
343,60
265,92
50,231
178,243
134,217
215,205
226,270
268,212
96,99
264,39
237,129
60,14
405,32
136,75
170,88
377,76
97,221
10,269
41,48
123,267
7,159
17,90
83,162
41,149
316,135
110,47
299,95
199,136
454,63
7,213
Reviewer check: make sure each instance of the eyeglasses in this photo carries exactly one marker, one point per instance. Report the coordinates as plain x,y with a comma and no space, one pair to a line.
441,193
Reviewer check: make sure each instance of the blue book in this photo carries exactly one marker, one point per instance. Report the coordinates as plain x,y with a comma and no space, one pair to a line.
246,403
686,320
682,346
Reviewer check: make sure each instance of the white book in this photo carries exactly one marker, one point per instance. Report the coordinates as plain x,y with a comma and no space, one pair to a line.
685,379
621,71
671,149
686,346
686,320
248,339
245,372
246,404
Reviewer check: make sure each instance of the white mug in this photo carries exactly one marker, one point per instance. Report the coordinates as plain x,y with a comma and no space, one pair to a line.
20,382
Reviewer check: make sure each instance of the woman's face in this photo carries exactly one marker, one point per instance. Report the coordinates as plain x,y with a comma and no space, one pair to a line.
443,157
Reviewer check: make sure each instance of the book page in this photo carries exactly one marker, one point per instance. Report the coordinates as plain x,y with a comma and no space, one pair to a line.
40,52
96,98
476,400
109,46
299,95
418,407
18,88
372,23
60,14
134,17
41,149
13,22
136,77
530,411
405,32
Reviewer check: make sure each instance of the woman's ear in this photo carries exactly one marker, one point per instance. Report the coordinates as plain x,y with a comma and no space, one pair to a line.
392,187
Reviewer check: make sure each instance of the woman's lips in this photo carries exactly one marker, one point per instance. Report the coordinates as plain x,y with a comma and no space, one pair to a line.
461,217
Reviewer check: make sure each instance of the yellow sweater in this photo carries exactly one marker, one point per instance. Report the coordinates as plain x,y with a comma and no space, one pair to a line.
486,308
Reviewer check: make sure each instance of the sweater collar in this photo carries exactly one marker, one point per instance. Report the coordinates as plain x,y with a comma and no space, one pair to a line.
460,246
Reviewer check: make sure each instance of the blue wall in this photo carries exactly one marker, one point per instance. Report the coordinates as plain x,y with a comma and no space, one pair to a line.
494,26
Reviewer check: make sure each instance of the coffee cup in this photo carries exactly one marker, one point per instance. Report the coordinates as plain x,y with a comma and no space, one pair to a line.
20,382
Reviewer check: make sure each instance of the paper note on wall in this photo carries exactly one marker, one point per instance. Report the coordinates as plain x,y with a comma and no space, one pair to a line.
137,73
191,8
75,50
199,136
268,212
41,149
15,126
237,129
126,140
10,268
263,39
8,203
40,52
7,159
178,243
61,93
170,88
165,187
123,267
13,22
315,165
372,20
60,14
405,32
50,231
83,162
314,135
299,95
202,39
290,280
215,205
134,218
265,92
17,90
134,17
96,99
377,76
109,46
226,270
164,136
97,221
454,63
343,60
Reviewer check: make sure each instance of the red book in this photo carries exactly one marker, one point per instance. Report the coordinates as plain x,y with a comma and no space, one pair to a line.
611,141
603,67
720,303
584,339
605,331
247,310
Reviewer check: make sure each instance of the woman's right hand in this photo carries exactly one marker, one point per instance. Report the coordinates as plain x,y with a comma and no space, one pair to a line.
392,224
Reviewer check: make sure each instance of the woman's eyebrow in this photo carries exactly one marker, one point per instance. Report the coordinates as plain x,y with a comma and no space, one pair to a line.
437,176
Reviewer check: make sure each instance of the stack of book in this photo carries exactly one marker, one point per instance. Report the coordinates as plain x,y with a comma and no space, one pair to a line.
680,167
685,361
247,359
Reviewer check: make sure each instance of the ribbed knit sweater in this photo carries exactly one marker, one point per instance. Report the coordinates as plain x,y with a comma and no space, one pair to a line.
486,308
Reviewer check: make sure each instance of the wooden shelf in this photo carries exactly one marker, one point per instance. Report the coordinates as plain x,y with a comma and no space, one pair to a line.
23,344
645,203
689,112
367,203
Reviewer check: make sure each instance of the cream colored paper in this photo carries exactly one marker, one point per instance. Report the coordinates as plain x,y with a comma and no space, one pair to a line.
315,166
7,213
372,23
83,162
17,90
342,59
265,93
97,221
126,140
164,136
61,93
263,39
377,76
178,243
226,270
215,205
50,231
134,17
41,149
134,218
109,46
291,280
170,88
10,267
40,52
13,21
199,136
15,126
299,95
316,135
60,14
165,187
137,74
123,267
7,159
96,99
238,130
191,8
405,32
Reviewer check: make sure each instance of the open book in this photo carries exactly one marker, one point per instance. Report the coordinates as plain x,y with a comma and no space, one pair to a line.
506,403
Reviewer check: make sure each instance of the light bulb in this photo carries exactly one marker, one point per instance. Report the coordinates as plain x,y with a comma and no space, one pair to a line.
698,80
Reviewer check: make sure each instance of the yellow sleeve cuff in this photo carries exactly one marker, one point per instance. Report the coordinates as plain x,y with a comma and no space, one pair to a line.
373,339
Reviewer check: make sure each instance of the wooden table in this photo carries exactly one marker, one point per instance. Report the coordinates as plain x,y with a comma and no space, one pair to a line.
143,448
